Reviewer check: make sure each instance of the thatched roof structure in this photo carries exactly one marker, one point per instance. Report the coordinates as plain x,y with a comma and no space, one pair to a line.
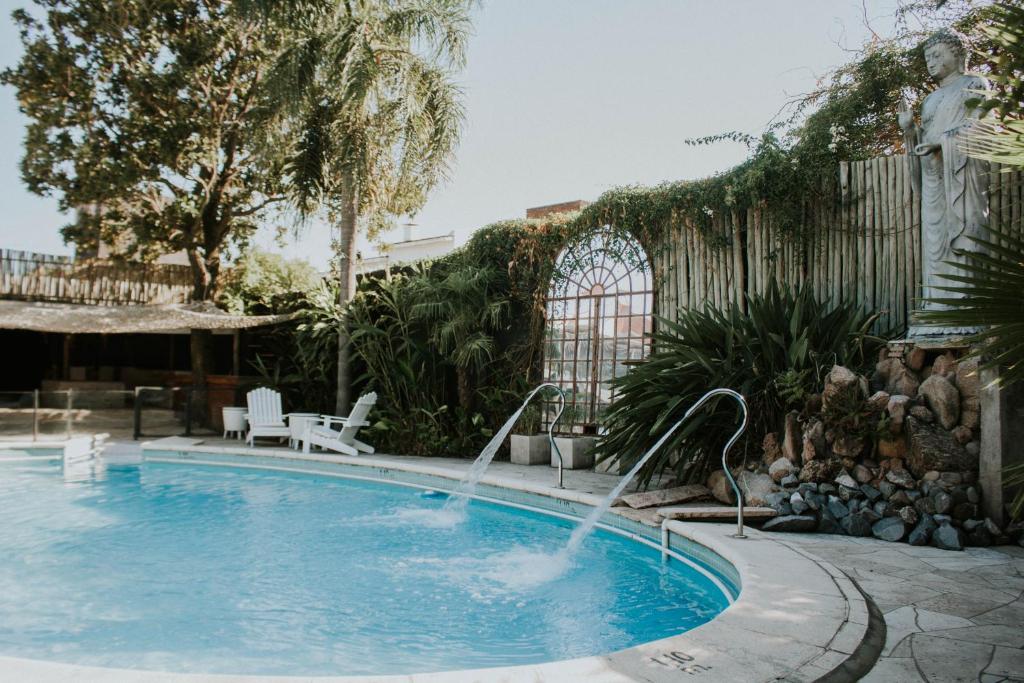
83,319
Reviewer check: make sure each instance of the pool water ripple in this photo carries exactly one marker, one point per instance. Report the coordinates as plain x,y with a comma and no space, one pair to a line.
228,570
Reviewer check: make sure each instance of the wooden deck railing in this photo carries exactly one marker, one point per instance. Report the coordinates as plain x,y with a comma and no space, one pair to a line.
29,276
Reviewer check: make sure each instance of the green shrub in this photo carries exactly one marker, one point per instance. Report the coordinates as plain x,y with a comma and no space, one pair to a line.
305,352
262,282
775,354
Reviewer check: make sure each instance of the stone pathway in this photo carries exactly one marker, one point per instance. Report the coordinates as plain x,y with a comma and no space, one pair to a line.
950,616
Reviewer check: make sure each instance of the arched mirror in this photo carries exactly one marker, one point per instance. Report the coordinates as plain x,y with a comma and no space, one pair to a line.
599,309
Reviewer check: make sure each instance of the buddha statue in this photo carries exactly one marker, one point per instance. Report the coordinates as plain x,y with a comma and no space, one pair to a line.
953,186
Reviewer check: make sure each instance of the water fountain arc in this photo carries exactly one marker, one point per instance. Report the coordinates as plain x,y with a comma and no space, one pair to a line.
585,527
460,497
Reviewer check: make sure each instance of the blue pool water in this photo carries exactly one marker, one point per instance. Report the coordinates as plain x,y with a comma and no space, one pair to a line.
227,570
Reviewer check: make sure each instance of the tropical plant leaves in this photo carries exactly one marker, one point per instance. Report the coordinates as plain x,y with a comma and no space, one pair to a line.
779,347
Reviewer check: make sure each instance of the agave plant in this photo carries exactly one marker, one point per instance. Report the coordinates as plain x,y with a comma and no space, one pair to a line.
775,354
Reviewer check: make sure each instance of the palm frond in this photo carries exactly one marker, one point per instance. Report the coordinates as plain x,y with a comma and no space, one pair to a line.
997,141
987,295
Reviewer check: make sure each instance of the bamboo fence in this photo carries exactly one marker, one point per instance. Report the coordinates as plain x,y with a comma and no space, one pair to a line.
862,244
29,276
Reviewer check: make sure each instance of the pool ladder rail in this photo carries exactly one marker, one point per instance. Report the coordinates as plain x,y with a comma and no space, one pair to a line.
551,426
721,391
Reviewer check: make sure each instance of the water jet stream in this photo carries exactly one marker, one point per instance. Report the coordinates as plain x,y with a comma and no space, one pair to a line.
460,497
584,529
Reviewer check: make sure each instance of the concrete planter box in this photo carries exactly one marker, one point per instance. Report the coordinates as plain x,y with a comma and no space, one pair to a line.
577,452
530,450
611,467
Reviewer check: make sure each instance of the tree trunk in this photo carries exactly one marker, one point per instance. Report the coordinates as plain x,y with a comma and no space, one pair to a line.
202,364
201,341
202,285
346,289
465,387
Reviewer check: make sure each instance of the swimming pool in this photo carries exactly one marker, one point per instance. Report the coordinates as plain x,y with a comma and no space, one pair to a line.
190,568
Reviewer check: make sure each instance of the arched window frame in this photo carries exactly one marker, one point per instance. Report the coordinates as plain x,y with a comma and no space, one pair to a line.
603,281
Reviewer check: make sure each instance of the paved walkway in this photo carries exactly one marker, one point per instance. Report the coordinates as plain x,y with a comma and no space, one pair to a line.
950,616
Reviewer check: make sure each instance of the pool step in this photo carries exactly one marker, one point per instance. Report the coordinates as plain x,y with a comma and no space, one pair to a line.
715,513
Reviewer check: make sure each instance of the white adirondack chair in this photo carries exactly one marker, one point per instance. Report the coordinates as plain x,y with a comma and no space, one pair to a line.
265,415
343,441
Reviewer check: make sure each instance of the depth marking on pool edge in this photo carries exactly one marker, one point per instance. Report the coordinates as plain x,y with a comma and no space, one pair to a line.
682,661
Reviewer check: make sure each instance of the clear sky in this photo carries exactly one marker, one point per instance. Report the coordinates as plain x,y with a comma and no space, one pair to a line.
566,99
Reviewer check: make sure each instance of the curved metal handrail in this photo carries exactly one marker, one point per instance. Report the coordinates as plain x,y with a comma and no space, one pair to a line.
551,427
595,515
728,446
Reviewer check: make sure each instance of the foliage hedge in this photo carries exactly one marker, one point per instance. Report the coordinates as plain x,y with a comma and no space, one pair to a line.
850,116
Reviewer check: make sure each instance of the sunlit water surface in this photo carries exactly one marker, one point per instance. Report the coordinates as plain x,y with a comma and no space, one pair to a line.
225,570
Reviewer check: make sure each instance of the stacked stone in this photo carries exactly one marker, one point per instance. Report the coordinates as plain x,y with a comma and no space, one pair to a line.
910,476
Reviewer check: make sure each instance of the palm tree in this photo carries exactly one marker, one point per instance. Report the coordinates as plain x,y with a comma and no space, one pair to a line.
371,87
465,308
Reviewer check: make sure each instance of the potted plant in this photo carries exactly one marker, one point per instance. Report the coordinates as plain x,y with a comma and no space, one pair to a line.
529,445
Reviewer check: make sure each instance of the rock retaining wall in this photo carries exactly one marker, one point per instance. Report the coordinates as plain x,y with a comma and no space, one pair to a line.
893,455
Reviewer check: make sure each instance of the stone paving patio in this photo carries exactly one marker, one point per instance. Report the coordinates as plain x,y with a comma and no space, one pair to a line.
950,616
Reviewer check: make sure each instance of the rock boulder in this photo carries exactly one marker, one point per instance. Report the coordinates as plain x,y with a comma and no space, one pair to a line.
816,471
903,383
943,399
772,449
933,448
791,443
897,409
780,469
755,487
842,388
889,529
720,487
948,537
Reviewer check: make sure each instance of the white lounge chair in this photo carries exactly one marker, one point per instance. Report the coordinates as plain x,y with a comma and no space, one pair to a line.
343,441
265,415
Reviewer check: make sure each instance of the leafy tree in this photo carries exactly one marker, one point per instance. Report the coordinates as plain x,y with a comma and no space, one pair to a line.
304,353
261,282
465,309
154,117
370,87
1002,141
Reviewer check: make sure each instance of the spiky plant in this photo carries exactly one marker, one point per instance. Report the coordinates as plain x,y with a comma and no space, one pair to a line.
779,348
